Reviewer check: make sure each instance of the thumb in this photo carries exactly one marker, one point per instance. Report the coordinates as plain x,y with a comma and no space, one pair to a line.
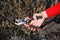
31,23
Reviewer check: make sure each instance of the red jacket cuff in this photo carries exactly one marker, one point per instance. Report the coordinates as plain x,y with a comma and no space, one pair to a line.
53,11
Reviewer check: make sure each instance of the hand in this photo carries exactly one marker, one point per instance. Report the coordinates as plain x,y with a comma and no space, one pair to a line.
38,22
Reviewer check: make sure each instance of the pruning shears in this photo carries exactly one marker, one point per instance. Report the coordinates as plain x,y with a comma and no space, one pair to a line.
25,21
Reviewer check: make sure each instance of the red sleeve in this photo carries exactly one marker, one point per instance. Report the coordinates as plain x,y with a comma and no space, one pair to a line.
53,11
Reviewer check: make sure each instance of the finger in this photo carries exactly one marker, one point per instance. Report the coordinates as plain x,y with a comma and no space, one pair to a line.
31,29
34,29
39,29
34,16
31,23
26,25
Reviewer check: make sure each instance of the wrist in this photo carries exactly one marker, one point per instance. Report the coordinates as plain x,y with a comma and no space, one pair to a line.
44,14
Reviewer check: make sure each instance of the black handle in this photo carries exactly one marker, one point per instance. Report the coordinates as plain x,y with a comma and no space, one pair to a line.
39,17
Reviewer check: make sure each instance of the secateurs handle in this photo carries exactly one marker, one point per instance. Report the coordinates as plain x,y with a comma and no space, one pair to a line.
38,17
